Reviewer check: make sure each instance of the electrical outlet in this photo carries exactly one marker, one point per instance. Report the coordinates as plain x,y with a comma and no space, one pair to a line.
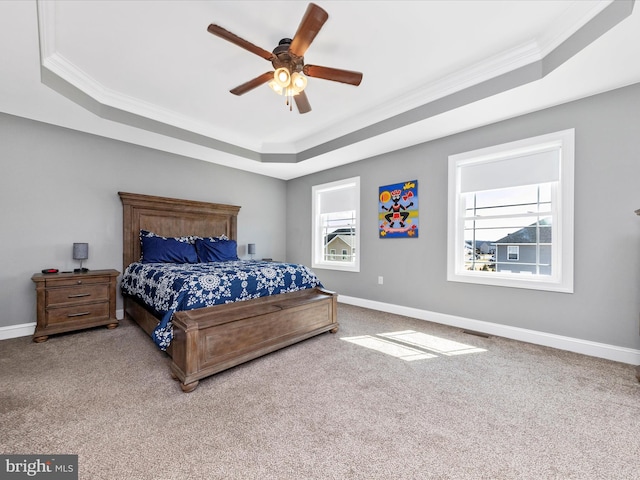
380,280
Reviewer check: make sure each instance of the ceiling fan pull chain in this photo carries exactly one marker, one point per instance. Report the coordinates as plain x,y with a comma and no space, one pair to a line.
289,98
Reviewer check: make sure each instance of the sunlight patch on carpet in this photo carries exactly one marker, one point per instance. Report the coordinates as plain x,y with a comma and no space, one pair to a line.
433,343
394,349
410,345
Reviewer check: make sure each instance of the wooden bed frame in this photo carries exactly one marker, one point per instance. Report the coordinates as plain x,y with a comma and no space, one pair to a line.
209,340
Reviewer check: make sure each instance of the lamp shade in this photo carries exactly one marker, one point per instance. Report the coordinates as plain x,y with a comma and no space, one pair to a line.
80,251
298,82
282,77
251,248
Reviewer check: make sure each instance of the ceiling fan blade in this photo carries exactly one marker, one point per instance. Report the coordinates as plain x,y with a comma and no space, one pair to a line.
309,27
334,74
241,42
251,84
302,102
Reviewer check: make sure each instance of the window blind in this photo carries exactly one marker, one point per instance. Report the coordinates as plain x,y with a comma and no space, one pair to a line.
516,171
338,199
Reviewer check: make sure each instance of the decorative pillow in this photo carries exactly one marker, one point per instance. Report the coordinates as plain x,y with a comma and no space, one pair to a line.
212,239
185,239
157,249
210,250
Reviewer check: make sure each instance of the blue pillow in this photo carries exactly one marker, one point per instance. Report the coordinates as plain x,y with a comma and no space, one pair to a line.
210,250
157,249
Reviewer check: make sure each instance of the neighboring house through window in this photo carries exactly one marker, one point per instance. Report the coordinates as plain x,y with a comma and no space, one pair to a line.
511,214
336,217
513,252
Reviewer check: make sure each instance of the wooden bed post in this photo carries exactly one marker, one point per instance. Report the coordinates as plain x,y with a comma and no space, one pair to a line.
184,353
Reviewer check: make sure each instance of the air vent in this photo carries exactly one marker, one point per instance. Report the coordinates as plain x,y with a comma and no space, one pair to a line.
477,334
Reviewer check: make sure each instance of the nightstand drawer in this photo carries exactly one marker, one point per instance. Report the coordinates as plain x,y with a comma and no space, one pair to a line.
93,311
77,294
73,281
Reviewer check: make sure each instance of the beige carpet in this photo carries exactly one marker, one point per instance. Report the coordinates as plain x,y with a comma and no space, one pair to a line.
369,402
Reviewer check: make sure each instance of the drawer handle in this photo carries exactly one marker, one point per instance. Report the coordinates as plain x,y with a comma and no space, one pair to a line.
78,314
79,295
79,282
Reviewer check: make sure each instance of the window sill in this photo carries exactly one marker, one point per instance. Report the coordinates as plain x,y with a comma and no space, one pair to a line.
532,282
336,266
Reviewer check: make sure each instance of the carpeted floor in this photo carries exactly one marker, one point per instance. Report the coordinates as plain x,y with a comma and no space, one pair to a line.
387,397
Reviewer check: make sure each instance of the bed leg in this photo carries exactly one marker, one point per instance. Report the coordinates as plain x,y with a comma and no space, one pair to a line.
186,387
189,387
334,330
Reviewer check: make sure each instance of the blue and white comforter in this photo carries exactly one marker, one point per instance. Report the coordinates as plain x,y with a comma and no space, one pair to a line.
171,287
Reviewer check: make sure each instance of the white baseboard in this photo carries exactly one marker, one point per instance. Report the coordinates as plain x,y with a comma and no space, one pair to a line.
586,347
14,331
27,329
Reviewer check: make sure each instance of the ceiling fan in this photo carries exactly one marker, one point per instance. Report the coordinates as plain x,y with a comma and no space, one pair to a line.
289,75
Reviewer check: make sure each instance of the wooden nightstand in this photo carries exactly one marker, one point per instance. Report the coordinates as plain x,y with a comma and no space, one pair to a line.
73,301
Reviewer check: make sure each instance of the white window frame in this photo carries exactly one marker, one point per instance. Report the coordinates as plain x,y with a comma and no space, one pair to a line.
317,238
563,238
516,250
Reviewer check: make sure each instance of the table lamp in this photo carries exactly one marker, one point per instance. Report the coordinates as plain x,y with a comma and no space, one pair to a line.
80,252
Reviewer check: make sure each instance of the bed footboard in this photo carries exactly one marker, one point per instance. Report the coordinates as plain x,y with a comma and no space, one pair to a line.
209,340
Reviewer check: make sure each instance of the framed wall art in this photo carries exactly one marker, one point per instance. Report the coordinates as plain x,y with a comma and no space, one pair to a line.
398,210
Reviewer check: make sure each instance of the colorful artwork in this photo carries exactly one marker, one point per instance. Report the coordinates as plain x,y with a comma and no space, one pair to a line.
398,210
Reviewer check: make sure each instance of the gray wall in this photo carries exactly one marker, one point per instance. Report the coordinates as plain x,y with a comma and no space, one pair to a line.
605,304
59,186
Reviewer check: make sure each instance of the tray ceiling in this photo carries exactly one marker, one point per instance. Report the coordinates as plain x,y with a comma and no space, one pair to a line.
148,72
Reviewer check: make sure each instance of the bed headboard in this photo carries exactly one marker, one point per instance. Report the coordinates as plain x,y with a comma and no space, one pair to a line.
171,217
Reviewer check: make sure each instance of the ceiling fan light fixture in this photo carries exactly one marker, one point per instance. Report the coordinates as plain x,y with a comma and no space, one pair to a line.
287,59
282,77
298,82
275,87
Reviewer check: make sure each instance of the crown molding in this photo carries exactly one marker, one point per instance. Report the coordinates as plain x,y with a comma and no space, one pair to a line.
516,66
577,15
61,67
58,65
510,60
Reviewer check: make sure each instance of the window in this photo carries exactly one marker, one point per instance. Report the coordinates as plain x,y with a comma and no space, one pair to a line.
511,214
336,225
